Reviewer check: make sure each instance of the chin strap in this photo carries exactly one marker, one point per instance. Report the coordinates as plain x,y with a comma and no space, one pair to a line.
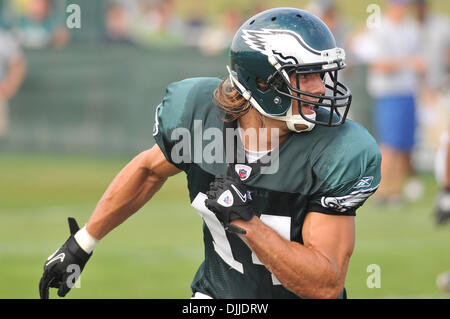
290,119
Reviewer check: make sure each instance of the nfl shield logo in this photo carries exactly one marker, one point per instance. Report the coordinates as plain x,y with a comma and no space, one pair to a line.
243,171
242,174
228,200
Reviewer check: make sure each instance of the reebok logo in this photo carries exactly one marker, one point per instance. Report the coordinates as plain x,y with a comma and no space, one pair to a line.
61,257
364,182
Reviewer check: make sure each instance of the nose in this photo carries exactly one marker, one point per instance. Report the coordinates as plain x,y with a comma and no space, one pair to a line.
314,85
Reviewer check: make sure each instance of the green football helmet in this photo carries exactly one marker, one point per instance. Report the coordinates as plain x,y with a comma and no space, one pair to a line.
273,44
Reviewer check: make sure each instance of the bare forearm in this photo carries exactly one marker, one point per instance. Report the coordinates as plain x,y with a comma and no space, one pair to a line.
304,271
127,193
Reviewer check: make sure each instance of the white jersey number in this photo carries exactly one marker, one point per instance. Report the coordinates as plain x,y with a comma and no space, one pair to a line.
281,224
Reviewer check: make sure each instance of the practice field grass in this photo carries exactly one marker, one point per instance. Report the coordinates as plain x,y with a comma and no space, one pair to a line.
157,251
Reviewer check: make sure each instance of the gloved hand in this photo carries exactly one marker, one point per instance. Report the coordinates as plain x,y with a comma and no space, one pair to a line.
229,199
69,260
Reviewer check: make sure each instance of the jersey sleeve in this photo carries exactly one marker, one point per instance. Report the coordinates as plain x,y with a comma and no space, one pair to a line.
347,179
170,117
185,102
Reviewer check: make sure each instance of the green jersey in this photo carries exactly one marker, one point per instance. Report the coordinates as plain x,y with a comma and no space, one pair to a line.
330,170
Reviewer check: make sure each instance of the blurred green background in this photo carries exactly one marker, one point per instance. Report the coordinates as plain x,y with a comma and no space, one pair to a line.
85,110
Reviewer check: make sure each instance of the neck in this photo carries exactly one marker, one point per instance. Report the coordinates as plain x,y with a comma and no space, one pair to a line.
261,133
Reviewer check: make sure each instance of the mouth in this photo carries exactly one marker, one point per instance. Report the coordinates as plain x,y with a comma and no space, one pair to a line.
307,108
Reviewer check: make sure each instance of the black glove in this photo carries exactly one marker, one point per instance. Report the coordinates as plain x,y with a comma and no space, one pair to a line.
56,268
442,211
229,199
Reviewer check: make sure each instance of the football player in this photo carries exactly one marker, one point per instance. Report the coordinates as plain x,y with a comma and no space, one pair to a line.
278,210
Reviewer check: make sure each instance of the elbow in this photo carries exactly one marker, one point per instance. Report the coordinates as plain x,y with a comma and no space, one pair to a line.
331,292
330,282
330,287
